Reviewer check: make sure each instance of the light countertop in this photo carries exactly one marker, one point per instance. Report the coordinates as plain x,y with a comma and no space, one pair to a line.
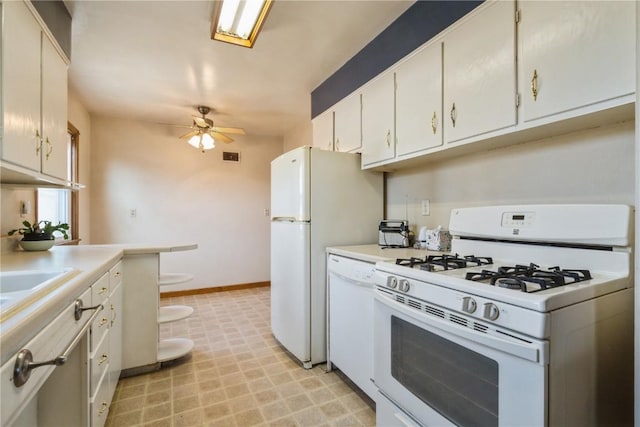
90,261
375,253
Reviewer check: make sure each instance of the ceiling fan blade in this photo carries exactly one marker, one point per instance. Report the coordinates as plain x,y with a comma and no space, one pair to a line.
190,134
200,122
174,125
220,137
237,131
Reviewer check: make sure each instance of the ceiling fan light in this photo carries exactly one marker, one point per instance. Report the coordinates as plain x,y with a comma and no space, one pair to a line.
194,141
207,142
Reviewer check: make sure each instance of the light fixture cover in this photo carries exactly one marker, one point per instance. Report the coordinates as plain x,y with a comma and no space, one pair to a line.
202,141
239,21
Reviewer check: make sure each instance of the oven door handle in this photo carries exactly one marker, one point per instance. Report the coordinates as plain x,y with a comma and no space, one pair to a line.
534,351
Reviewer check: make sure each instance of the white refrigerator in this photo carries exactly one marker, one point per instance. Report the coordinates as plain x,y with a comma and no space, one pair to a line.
318,198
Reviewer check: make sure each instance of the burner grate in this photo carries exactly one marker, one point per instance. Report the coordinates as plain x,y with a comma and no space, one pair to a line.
444,262
529,278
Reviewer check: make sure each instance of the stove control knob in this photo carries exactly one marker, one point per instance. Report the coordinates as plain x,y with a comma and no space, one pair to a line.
392,282
469,305
491,311
403,285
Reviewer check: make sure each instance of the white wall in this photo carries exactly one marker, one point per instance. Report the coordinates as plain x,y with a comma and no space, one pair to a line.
298,136
183,195
10,217
79,117
588,166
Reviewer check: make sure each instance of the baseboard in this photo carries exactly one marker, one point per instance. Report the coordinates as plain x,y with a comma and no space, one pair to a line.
201,291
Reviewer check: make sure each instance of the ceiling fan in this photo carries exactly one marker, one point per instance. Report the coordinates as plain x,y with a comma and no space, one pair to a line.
204,134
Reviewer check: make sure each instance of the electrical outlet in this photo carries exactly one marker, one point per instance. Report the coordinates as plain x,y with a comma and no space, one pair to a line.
133,213
425,207
266,212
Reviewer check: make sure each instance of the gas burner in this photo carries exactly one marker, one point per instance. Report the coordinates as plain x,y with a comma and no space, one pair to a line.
529,278
444,262
410,262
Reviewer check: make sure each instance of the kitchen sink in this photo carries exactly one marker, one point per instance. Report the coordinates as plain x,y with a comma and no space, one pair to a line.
21,288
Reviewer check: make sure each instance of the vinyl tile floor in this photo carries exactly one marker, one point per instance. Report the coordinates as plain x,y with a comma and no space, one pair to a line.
237,375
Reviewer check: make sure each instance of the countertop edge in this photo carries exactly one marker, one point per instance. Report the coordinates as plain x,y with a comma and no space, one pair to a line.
375,253
143,248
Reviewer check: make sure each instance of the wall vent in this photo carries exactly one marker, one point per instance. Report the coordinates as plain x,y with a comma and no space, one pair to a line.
230,156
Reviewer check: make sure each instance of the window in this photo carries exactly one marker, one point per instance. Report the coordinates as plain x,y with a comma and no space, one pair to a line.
61,205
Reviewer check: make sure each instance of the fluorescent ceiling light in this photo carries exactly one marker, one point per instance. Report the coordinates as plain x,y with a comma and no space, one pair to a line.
239,21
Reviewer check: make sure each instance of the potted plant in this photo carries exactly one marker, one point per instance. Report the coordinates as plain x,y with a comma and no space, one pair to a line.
39,235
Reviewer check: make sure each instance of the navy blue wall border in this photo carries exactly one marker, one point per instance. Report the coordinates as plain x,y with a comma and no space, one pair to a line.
58,19
418,24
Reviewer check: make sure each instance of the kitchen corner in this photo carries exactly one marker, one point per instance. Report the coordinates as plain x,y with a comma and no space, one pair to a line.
44,325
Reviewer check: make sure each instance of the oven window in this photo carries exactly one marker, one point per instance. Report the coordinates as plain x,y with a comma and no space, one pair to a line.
460,384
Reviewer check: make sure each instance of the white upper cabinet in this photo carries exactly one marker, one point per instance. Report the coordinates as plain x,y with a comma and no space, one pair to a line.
54,112
574,54
20,85
34,94
419,101
480,73
323,130
347,123
378,120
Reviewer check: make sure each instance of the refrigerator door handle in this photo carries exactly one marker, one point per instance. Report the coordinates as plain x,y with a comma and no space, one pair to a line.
284,218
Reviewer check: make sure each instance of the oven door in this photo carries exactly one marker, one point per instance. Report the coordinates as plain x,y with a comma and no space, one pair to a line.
441,373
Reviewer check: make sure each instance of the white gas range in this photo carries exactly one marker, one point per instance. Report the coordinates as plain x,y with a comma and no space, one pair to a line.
516,326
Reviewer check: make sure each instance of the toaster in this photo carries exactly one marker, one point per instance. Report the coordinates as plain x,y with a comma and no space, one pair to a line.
393,233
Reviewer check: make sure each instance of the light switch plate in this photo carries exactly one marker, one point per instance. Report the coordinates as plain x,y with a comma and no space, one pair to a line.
425,207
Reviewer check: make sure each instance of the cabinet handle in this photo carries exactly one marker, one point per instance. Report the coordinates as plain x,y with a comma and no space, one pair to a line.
534,85
79,308
24,360
102,290
49,148
454,114
114,314
103,321
117,274
38,142
103,408
434,123
103,359
389,138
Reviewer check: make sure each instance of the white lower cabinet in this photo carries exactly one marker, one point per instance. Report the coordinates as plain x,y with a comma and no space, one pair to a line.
106,344
79,392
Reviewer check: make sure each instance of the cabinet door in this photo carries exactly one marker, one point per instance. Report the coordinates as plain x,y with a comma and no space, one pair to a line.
323,130
419,101
378,142
20,85
575,53
115,339
54,111
348,125
479,73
